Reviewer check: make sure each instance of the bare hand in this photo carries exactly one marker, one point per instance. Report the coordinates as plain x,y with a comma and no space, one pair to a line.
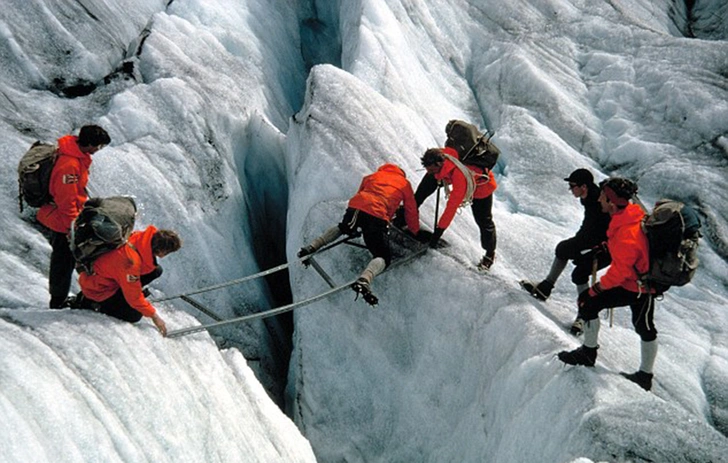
159,323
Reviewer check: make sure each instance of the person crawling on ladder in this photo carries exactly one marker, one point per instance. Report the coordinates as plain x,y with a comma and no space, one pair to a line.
370,210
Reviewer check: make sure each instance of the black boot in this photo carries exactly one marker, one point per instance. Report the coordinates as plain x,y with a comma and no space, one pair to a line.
585,356
306,251
486,262
540,291
361,286
644,380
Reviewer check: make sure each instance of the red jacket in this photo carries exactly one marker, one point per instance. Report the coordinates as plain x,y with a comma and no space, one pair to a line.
629,249
142,241
121,269
381,193
453,176
67,186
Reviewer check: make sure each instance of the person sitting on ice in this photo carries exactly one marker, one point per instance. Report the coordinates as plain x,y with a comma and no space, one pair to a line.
583,248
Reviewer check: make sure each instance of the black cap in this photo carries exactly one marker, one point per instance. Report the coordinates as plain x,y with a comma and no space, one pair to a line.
580,177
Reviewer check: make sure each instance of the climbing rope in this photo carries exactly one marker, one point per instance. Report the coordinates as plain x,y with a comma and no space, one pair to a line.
254,276
288,307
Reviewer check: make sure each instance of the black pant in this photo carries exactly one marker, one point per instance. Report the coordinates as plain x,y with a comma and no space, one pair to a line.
375,232
427,186
570,249
61,271
116,306
641,304
482,212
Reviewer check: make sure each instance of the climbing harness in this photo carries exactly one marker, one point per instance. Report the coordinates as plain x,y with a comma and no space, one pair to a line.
471,179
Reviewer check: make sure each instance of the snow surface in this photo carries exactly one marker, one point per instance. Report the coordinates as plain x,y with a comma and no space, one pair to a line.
246,126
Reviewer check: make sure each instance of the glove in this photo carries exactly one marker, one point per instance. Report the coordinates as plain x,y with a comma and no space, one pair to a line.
423,236
399,220
595,290
436,237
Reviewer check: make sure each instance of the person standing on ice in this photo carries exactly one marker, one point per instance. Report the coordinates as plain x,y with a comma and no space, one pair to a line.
371,209
469,186
620,286
67,187
583,248
115,287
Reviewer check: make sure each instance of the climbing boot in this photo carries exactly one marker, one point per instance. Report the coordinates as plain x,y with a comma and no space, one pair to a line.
644,380
584,355
306,251
577,327
540,291
361,286
486,262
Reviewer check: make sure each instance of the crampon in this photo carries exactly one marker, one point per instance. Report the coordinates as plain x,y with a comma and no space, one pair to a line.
361,287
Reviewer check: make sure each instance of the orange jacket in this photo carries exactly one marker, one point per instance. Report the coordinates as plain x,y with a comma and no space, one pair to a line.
381,193
119,269
142,241
629,249
67,186
455,177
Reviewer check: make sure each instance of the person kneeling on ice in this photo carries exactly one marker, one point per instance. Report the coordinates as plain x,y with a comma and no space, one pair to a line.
619,286
371,209
115,287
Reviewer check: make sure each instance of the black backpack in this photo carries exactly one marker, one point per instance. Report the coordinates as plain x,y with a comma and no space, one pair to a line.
104,224
474,148
673,231
34,174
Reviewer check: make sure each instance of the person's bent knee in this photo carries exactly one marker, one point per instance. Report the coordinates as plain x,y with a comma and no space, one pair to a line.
132,317
578,277
346,230
562,250
646,335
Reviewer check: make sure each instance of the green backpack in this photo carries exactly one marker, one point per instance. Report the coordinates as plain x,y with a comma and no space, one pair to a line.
104,224
673,231
473,147
34,174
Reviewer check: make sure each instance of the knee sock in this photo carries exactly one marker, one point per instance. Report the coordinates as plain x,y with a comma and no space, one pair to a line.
328,237
375,267
591,333
649,354
557,267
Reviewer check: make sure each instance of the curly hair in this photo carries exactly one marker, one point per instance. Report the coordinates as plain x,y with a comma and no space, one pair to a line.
619,190
93,135
431,157
166,241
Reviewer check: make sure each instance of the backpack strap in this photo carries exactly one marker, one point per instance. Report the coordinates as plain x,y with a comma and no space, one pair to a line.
469,179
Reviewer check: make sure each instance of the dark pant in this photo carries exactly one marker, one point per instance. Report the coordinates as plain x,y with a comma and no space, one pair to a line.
571,249
375,232
641,304
427,186
61,271
482,212
116,306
